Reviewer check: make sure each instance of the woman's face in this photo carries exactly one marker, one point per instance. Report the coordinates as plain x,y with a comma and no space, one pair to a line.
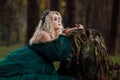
57,22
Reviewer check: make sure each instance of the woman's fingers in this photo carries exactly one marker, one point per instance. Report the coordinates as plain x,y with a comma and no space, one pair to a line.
79,26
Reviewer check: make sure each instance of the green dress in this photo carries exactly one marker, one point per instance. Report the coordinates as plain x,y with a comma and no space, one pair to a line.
35,62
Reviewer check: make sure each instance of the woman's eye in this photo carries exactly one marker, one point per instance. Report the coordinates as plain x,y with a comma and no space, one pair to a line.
55,19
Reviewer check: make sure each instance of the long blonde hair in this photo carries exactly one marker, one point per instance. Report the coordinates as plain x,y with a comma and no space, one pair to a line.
46,24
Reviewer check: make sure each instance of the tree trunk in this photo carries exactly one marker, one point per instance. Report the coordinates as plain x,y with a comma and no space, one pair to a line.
88,11
114,28
48,2
71,13
54,5
32,17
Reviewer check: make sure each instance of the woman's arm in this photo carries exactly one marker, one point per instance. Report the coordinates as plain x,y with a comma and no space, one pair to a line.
77,26
58,49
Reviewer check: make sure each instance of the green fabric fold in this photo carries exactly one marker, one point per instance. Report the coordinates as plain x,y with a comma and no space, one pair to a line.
26,63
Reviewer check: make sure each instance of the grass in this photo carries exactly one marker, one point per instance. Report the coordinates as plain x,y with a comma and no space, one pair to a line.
115,59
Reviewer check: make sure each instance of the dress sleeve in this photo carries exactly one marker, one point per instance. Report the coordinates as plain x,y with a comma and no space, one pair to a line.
57,50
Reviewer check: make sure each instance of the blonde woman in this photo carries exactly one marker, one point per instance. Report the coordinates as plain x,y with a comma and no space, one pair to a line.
49,28
34,61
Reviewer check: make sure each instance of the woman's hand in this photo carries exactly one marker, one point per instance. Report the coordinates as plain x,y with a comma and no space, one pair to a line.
77,26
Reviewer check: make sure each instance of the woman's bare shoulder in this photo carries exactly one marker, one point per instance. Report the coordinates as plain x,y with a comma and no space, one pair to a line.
45,37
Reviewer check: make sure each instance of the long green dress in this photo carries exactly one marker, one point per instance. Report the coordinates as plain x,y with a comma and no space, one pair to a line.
35,62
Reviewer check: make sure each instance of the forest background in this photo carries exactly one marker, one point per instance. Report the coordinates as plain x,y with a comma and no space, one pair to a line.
19,18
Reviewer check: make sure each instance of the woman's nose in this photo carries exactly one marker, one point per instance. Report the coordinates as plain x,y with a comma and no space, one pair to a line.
59,21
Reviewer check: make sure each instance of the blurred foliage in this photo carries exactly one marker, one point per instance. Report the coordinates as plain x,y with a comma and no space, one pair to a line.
12,21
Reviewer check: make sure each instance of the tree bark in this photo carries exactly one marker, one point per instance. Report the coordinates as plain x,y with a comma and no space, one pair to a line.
114,28
32,18
71,13
54,5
